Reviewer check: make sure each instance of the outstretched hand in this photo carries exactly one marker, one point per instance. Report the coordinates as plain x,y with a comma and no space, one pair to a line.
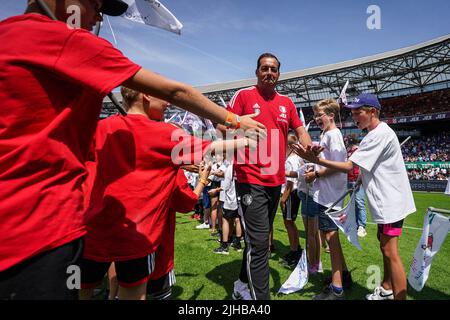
310,153
247,123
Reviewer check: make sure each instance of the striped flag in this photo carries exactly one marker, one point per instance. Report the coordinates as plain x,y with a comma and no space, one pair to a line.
152,13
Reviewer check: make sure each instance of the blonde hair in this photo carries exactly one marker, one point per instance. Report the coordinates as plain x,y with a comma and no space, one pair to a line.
129,96
329,106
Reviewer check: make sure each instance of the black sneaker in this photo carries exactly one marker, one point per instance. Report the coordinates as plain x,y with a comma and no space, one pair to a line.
237,246
287,258
223,249
329,294
347,280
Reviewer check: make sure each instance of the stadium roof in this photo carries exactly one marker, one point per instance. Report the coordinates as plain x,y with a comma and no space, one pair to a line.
419,68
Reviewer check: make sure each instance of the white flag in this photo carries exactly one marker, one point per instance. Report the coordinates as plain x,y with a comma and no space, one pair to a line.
435,230
153,13
447,189
301,116
343,96
345,219
298,278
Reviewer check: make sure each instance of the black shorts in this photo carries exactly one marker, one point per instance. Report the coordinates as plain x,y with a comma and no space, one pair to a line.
214,184
325,222
230,214
51,275
292,206
130,273
161,288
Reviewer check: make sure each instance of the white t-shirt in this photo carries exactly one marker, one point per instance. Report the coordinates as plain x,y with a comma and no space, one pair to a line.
384,176
223,168
293,163
215,167
230,202
326,190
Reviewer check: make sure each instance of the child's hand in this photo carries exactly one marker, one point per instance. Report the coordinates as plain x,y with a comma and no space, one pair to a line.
310,176
309,153
214,192
204,170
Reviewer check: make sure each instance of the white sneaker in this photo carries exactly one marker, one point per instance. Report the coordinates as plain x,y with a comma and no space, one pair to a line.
381,293
204,225
362,232
241,291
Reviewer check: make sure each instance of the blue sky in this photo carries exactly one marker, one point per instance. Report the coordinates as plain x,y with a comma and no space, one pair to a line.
221,39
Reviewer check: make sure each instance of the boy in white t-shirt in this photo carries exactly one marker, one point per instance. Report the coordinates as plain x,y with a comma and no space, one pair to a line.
385,181
290,203
329,185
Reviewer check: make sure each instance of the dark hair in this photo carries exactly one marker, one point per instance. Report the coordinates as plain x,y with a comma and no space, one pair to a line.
267,55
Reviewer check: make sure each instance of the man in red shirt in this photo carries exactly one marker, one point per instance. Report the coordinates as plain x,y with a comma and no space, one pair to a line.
52,82
260,173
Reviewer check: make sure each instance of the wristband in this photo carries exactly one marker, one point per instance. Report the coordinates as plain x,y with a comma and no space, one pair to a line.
238,121
204,181
229,120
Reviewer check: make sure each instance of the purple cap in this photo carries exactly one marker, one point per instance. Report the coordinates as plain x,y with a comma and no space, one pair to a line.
365,99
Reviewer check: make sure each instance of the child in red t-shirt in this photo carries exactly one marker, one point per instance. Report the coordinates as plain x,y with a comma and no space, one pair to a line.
137,160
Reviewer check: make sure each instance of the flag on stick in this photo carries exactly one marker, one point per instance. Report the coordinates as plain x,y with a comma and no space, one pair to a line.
152,13
343,96
435,230
345,220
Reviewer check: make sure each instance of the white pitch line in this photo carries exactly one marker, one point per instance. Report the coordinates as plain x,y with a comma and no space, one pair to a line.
404,227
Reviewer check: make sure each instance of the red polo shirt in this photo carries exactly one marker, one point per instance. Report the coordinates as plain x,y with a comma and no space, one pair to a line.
265,165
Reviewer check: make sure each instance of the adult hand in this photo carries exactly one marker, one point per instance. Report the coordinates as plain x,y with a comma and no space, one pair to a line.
190,167
247,123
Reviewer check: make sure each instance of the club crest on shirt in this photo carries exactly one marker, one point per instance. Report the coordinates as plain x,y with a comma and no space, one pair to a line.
283,116
247,199
257,108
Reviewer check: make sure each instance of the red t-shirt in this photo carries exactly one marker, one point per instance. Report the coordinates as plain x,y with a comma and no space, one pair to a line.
183,200
265,165
52,83
135,176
